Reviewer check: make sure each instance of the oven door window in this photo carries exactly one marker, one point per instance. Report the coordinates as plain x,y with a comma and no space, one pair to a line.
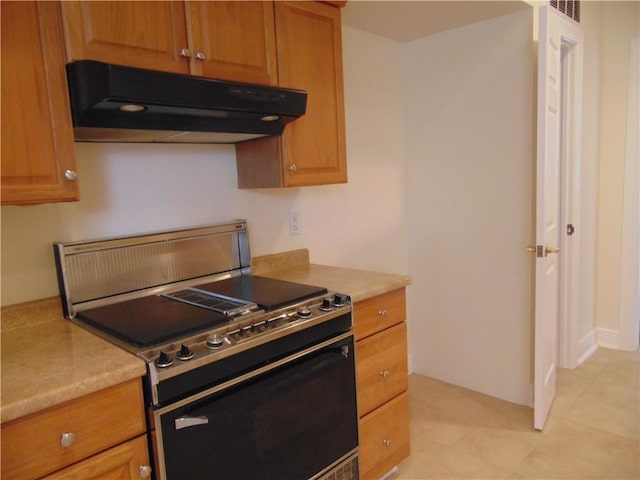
290,423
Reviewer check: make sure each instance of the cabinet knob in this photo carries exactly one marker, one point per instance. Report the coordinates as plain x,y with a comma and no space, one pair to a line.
292,168
144,471
185,53
70,175
383,313
385,374
387,442
200,56
67,439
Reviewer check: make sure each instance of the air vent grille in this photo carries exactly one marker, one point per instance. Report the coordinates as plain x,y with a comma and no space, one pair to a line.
347,470
570,8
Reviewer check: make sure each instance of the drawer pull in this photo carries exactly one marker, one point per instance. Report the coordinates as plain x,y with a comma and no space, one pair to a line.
387,442
385,374
383,313
67,439
144,471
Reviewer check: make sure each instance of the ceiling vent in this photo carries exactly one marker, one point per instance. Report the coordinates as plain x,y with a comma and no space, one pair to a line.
570,8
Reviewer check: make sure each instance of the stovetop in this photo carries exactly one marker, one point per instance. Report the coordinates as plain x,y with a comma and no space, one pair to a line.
156,319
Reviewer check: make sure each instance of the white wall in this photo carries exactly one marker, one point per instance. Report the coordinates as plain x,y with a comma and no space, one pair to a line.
470,124
591,23
130,188
620,23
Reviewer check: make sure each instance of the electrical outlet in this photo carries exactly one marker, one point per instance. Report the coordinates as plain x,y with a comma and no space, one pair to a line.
294,223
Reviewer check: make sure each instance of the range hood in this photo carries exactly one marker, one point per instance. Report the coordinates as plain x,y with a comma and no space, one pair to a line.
113,103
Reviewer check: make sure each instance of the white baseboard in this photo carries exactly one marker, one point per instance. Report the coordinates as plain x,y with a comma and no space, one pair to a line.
587,347
607,337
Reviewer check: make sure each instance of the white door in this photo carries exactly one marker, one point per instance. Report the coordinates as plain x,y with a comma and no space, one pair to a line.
547,269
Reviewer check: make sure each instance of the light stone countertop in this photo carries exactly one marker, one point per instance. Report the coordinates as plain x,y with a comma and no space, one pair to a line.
47,360
294,266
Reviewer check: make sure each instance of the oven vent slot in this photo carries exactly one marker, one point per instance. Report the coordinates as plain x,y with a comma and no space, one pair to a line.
347,470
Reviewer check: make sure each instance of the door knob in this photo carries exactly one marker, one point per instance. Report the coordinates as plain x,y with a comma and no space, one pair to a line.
542,251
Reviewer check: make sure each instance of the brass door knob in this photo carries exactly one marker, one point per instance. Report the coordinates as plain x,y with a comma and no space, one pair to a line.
548,250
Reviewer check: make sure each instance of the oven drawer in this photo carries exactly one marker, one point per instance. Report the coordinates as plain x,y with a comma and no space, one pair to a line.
384,438
32,446
377,313
381,367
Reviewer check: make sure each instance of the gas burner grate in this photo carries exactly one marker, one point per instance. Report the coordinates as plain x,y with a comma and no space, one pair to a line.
218,303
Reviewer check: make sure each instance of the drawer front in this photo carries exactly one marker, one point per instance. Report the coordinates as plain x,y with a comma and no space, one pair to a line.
377,313
127,461
384,438
32,446
381,367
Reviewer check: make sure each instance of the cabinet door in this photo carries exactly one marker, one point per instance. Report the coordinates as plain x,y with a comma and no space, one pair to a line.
309,44
138,34
126,461
311,151
233,40
36,133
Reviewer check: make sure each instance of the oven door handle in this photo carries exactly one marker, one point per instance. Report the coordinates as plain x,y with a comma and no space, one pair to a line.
184,422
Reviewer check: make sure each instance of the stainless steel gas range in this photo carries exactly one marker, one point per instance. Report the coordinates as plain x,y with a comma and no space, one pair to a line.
247,377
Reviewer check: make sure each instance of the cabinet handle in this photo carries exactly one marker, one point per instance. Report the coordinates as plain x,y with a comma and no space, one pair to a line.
200,56
385,374
144,471
185,53
383,313
387,442
292,168
70,175
67,439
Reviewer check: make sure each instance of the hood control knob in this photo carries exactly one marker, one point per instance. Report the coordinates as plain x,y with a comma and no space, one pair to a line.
163,360
185,353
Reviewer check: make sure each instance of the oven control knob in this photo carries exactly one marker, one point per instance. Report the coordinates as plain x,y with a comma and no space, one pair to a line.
185,353
327,305
163,360
339,300
304,312
215,341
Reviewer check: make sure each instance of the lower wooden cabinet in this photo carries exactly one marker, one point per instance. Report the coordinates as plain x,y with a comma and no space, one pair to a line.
127,461
384,437
75,431
382,376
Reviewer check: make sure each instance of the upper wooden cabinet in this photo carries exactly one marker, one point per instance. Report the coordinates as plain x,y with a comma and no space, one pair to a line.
226,40
36,133
312,149
237,40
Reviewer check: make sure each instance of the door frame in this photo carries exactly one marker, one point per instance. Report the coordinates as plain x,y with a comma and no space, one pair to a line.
569,341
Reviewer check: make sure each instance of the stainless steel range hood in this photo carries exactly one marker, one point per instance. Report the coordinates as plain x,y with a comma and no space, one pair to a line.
112,103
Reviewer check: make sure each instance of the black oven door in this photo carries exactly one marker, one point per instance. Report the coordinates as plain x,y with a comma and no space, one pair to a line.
287,421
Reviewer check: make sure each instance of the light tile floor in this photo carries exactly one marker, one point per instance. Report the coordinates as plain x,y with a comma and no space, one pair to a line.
592,431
